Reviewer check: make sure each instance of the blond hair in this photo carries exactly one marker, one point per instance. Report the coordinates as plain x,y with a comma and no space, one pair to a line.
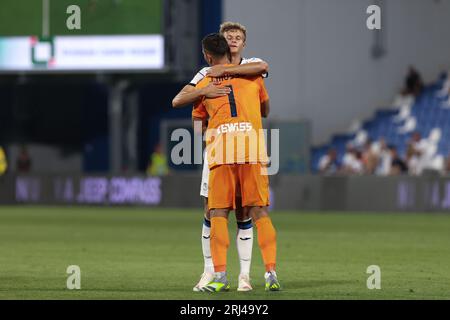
228,25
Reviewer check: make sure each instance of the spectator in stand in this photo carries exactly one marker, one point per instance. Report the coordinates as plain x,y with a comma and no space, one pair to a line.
419,147
328,164
398,166
348,158
412,161
357,167
418,144
413,87
413,82
352,162
384,158
23,163
415,141
369,158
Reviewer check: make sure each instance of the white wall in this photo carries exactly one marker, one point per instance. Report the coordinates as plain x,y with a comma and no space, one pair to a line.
319,54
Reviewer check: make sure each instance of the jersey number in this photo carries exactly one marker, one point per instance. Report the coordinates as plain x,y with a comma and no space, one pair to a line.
232,102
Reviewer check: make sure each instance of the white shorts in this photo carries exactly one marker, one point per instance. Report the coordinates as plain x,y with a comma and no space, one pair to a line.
205,177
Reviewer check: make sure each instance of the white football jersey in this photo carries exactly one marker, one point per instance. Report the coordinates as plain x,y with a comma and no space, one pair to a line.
202,73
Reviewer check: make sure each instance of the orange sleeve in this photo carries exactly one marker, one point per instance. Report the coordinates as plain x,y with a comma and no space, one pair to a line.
199,111
263,95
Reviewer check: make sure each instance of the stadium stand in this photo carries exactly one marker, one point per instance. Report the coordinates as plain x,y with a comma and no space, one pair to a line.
427,115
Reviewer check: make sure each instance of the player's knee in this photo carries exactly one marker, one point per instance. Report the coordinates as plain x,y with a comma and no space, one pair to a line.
206,209
242,214
257,213
215,213
207,214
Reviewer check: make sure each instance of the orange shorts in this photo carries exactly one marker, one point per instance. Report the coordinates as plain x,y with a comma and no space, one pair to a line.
227,181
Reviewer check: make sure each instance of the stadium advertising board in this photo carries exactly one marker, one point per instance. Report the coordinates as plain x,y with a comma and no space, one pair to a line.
82,53
82,36
312,192
89,190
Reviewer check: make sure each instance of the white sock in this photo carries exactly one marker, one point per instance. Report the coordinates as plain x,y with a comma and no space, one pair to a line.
206,247
244,242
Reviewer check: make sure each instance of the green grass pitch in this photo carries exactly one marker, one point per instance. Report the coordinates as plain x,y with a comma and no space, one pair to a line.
137,253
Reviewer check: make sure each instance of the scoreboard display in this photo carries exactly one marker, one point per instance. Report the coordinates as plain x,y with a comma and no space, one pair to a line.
81,35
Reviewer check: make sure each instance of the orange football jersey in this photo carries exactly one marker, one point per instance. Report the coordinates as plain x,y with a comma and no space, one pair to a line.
235,133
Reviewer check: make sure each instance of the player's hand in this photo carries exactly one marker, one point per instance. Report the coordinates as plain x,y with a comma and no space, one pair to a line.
216,71
215,91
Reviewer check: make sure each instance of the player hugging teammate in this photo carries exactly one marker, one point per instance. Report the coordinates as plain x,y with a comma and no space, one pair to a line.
231,96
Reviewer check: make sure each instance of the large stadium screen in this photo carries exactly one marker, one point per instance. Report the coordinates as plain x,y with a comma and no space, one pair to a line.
77,35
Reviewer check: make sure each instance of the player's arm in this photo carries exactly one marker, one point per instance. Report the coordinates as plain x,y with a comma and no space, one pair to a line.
190,94
248,69
265,109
